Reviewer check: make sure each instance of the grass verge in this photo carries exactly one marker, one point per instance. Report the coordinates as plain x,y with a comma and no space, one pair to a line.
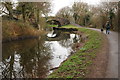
52,25
76,66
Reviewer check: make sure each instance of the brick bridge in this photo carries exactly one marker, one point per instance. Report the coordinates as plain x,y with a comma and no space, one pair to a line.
58,21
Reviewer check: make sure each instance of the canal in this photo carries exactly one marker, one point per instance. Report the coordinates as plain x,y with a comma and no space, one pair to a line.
35,58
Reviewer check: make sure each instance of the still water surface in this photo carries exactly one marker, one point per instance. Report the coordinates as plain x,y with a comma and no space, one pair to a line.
34,58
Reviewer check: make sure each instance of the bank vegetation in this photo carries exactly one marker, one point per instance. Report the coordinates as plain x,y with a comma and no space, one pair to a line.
22,20
78,65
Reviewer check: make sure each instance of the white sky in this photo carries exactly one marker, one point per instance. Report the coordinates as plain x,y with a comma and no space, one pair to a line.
58,4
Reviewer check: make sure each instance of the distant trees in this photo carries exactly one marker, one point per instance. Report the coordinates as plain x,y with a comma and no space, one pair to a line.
29,12
34,10
94,16
110,9
81,13
66,13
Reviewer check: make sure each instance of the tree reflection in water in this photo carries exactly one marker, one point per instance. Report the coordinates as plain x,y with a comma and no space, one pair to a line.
34,58
73,38
28,59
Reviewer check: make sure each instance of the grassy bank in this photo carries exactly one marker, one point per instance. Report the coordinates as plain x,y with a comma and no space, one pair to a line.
13,30
52,25
76,66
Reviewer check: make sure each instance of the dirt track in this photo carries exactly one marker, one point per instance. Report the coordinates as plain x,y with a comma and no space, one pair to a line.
112,67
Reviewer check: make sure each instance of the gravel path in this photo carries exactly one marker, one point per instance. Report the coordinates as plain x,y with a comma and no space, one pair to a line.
112,67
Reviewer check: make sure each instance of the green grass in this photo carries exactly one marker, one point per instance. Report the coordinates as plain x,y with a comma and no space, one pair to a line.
77,64
66,26
69,26
52,25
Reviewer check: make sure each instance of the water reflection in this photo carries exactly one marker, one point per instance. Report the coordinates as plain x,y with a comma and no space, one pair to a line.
27,58
34,58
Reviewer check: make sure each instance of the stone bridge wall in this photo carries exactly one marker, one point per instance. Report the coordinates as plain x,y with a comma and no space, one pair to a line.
61,20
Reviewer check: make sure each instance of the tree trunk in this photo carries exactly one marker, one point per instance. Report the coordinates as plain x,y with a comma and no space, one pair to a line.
38,12
23,12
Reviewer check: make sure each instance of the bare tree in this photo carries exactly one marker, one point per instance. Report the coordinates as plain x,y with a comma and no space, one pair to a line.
66,13
81,13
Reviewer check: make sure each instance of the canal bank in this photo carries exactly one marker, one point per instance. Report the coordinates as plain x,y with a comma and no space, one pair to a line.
18,30
62,55
87,59
35,58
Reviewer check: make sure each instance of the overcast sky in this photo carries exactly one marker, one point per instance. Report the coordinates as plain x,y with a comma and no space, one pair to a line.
58,4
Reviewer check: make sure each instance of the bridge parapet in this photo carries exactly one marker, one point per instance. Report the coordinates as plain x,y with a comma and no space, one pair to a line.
59,21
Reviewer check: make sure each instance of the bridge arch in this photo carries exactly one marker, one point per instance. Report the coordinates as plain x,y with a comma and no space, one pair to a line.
59,21
54,22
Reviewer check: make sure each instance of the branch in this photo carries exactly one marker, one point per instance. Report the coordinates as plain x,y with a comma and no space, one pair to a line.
5,12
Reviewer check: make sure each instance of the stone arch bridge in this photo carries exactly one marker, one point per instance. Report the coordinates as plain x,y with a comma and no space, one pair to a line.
58,21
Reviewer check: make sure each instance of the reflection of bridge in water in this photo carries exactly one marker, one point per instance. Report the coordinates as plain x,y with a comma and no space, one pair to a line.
33,58
58,21
59,37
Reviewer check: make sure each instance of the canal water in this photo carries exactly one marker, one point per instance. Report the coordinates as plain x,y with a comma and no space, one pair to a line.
33,58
